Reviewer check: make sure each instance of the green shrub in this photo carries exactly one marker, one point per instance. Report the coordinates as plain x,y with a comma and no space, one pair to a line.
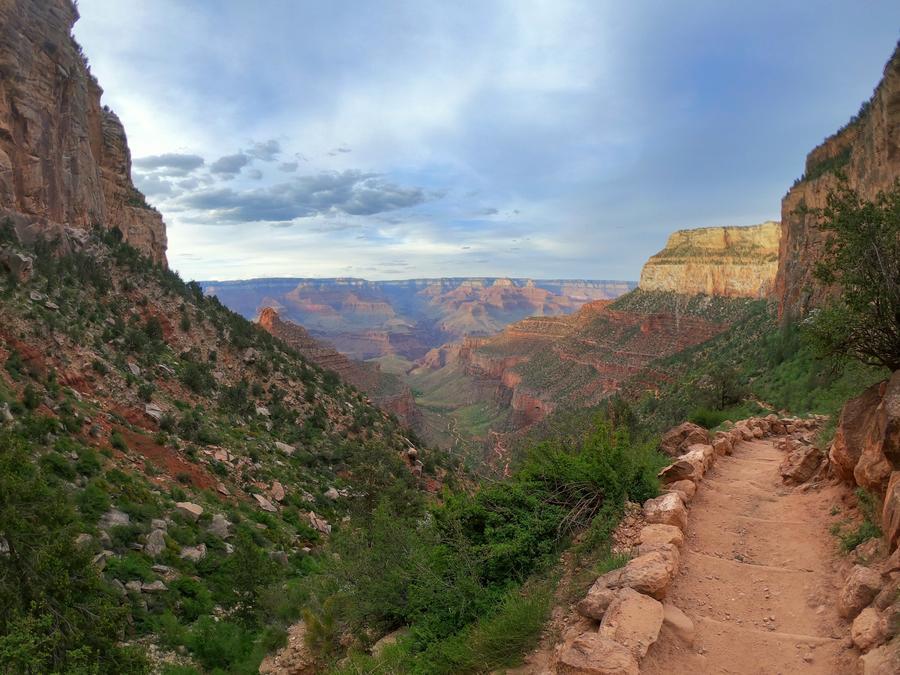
219,644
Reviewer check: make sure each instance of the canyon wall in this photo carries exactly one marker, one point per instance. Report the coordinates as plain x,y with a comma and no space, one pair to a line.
736,262
388,392
64,159
867,152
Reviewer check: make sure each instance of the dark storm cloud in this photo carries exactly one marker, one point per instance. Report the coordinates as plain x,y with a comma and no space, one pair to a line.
230,165
169,164
348,192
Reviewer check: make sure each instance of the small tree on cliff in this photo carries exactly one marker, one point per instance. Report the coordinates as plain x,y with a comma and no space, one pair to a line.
862,257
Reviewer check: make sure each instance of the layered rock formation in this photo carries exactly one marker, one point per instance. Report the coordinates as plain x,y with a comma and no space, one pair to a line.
370,319
867,152
64,159
737,262
389,393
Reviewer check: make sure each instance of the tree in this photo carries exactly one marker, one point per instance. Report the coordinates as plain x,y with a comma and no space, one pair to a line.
862,258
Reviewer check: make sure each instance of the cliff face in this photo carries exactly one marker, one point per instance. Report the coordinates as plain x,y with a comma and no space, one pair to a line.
735,262
388,392
63,158
867,151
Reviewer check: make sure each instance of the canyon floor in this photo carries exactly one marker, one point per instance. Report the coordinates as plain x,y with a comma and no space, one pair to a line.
759,576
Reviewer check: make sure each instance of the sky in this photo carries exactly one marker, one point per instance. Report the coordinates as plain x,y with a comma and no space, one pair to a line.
542,139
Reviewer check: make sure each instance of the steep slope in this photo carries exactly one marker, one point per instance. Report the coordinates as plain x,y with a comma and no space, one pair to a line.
867,152
388,392
63,157
373,319
739,262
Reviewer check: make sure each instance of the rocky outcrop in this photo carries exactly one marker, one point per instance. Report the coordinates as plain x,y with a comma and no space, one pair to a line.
867,152
64,159
737,262
388,392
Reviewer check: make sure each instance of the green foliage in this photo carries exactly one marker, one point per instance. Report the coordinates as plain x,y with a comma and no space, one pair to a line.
197,377
862,256
58,615
220,644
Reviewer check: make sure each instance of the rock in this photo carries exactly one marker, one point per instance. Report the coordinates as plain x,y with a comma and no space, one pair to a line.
318,523
723,445
679,623
880,454
264,503
853,425
657,533
676,440
332,494
890,514
113,518
667,509
594,604
220,526
133,586
698,458
799,466
189,510
678,471
868,629
262,410
250,355
859,590
193,553
221,489
19,266
884,660
593,654
686,489
633,620
651,573
153,411
83,540
156,543
159,524
118,587
285,448
6,415
134,369
277,491
154,587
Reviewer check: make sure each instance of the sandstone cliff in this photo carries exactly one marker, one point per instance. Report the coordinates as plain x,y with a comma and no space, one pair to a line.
867,151
737,262
388,392
64,159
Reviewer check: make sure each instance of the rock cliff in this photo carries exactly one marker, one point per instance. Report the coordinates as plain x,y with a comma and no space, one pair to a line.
64,159
867,152
736,262
389,393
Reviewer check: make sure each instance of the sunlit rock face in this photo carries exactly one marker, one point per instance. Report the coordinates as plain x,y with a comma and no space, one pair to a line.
64,159
736,262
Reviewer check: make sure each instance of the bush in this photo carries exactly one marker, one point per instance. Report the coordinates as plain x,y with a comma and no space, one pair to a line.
219,644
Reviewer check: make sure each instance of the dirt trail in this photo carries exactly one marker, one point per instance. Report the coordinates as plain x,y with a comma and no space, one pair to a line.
758,576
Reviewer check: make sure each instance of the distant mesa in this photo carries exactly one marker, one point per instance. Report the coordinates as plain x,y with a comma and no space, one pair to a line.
734,262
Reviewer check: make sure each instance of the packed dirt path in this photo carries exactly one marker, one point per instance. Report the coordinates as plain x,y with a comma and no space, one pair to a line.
758,576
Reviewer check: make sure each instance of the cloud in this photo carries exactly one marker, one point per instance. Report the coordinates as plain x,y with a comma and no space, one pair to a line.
230,165
267,151
288,167
152,185
330,192
255,174
169,164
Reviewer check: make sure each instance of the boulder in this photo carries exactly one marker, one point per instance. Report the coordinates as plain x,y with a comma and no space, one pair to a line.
799,466
133,586
675,440
890,514
697,458
884,660
285,448
153,587
318,523
859,590
6,415
649,573
853,425
686,489
332,494
594,604
868,630
593,654
264,503
880,454
658,533
633,620
156,543
113,518
722,444
153,411
194,553
667,509
276,492
679,623
678,471
189,510
159,524
220,526
19,266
